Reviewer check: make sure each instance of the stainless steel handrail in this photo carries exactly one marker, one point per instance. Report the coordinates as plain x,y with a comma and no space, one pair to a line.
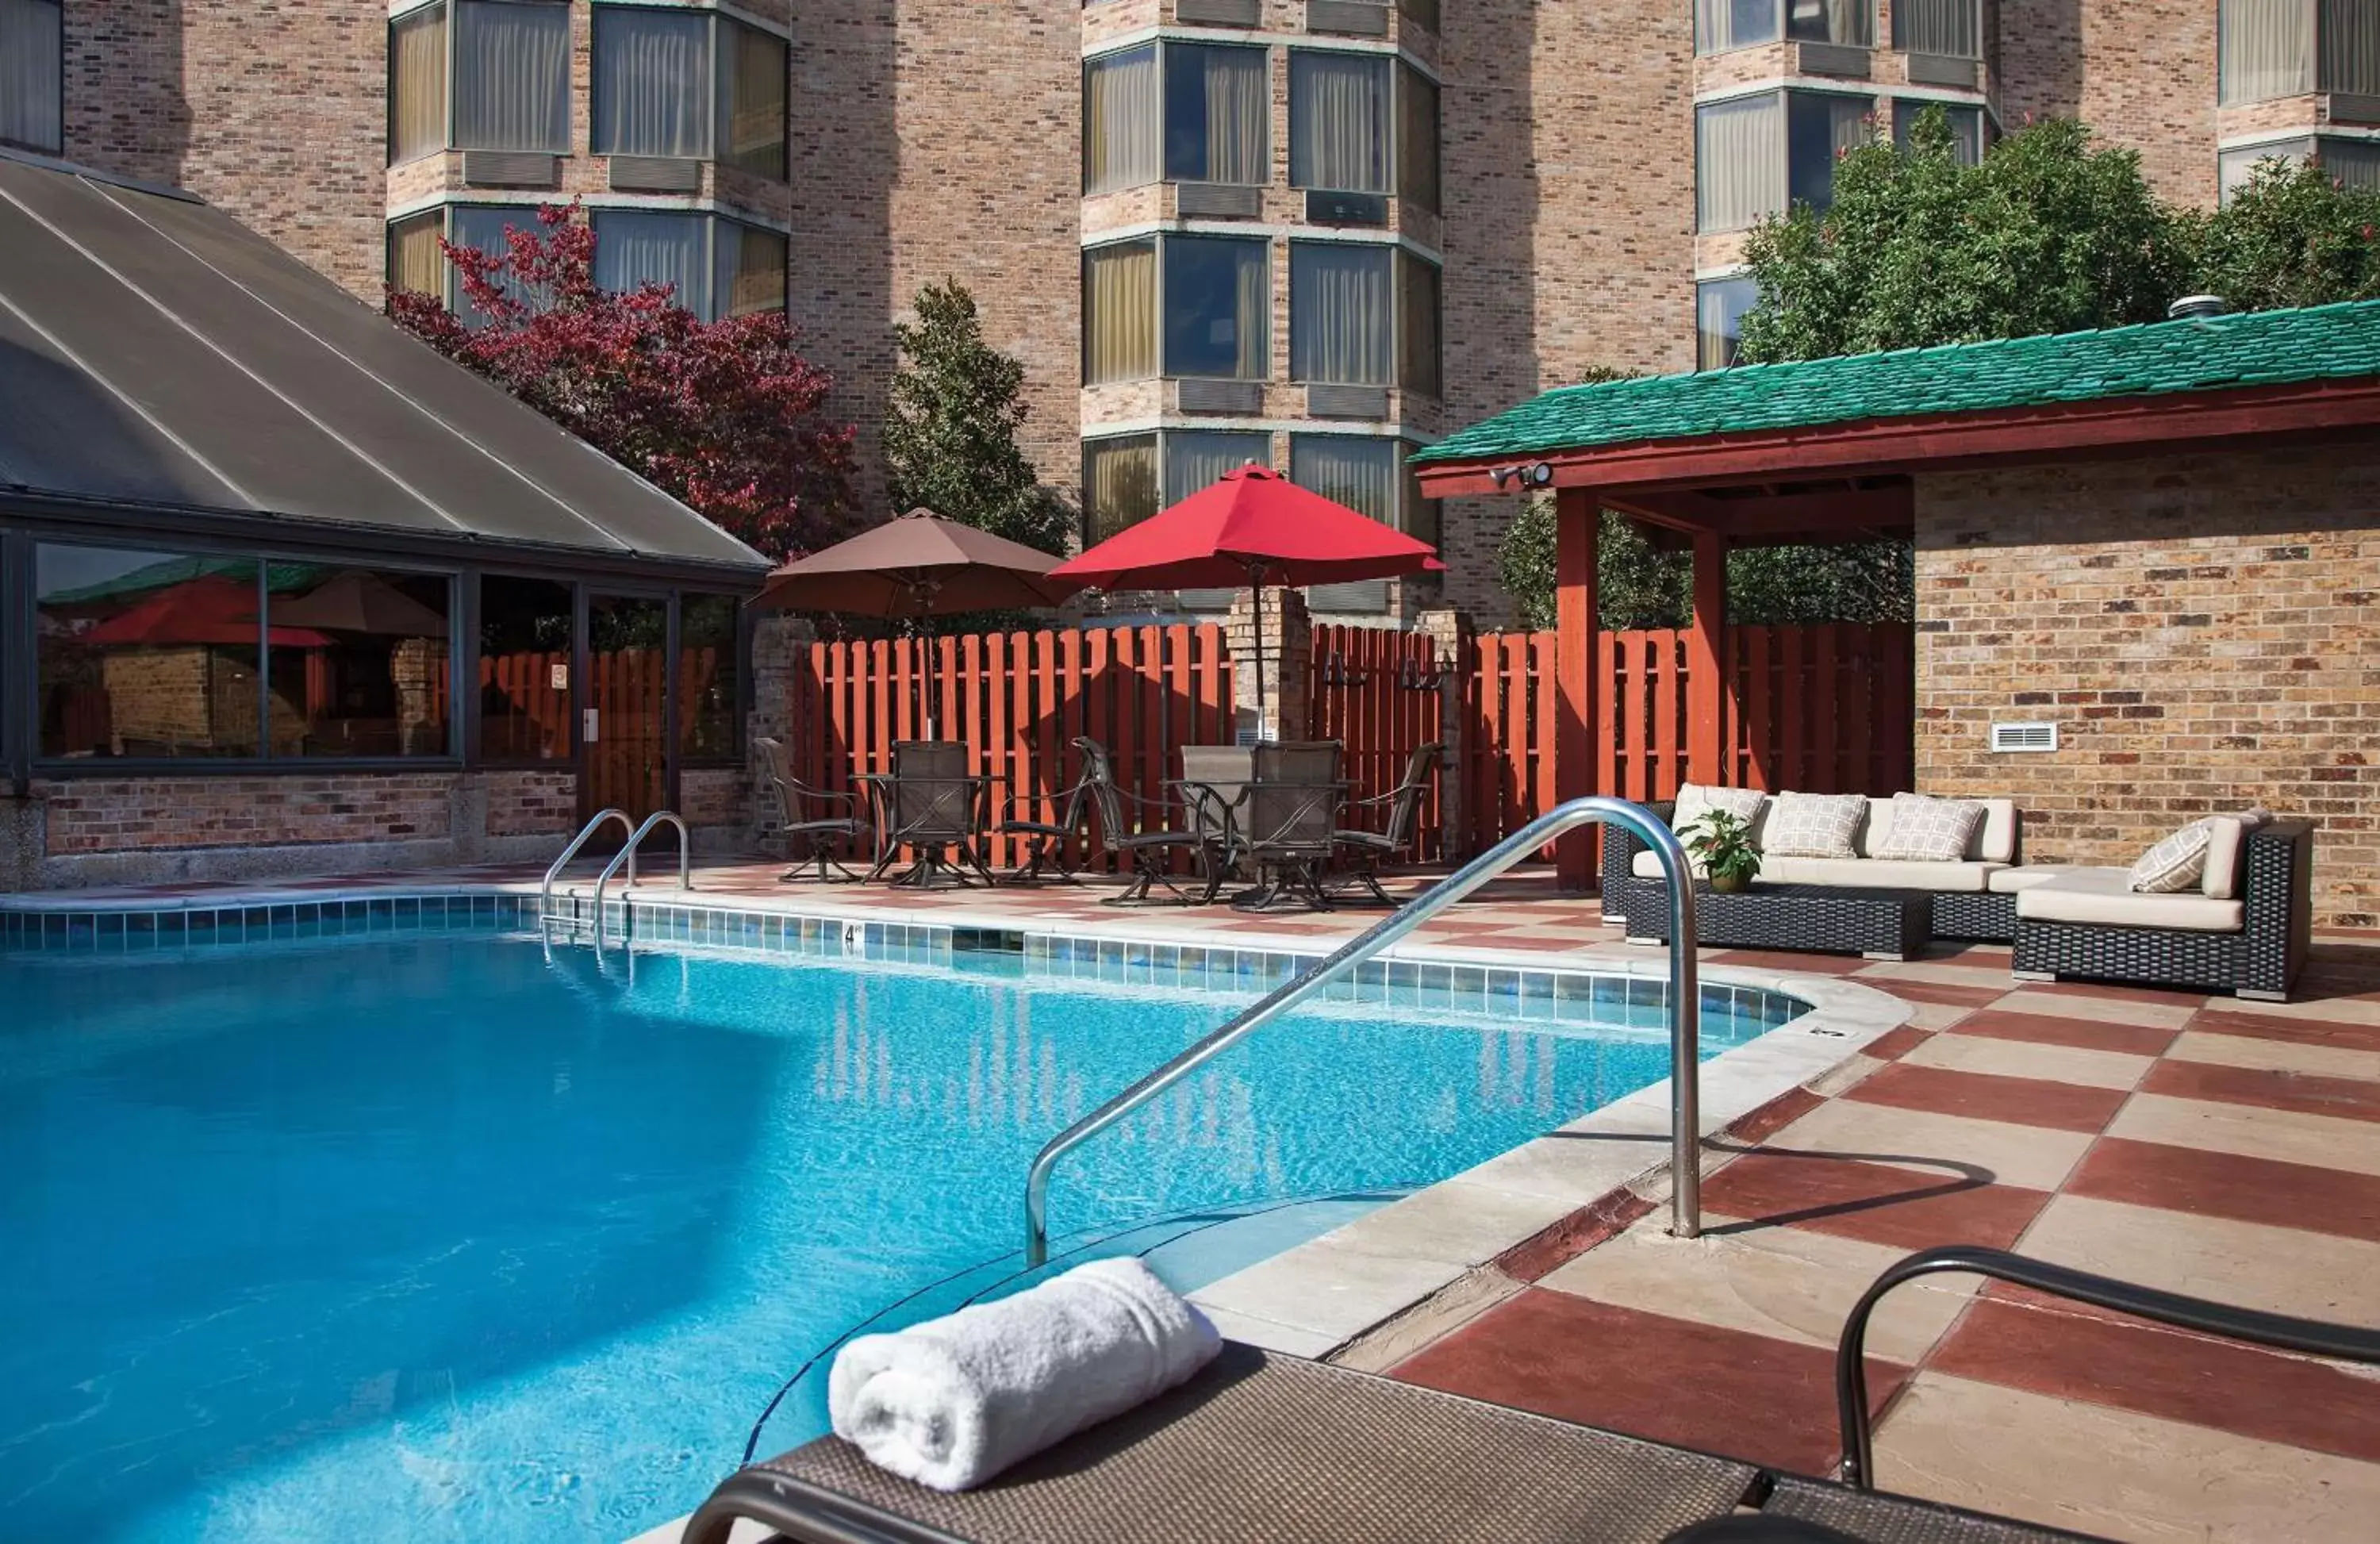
586,833
627,855
1685,1008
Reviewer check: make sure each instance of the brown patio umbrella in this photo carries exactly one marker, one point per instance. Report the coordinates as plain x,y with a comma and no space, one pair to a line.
358,602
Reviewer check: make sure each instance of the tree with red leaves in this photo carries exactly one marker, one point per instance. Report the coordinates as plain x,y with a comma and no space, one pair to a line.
725,416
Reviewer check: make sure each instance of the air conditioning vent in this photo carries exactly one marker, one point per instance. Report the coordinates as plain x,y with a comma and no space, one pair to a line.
1345,209
1353,18
1218,13
655,174
510,168
1828,58
1347,402
2347,107
1218,201
1219,396
1936,69
2024,737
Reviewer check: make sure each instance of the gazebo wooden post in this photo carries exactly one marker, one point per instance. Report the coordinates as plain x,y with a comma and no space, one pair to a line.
1576,689
1708,708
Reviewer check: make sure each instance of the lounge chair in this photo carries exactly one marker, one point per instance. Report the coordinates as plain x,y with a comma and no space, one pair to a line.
1263,1449
813,835
1370,849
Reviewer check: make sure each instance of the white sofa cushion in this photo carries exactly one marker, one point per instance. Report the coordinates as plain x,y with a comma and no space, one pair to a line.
2008,881
2106,896
2175,863
1814,825
1697,800
1871,873
2226,852
1994,841
1923,830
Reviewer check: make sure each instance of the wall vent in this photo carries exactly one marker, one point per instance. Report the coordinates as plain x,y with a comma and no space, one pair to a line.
1355,18
510,168
2348,107
2024,737
1828,58
656,174
1218,201
1939,70
1219,397
1324,207
1369,403
1218,13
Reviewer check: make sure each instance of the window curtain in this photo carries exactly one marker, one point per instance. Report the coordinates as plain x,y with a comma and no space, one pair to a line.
2234,167
1721,25
1720,306
1848,22
512,76
2353,162
2265,50
416,95
1252,321
1739,172
635,247
1339,122
1119,484
32,59
652,82
1194,459
482,226
1120,313
415,263
751,269
1120,121
1364,475
1217,108
1339,316
1417,325
752,101
1952,27
2350,46
1417,164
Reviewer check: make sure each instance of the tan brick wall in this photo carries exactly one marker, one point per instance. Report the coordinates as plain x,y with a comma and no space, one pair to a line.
2141,73
532,803
125,814
715,796
2205,630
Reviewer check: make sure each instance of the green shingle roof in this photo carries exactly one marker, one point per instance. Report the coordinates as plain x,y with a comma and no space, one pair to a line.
2257,348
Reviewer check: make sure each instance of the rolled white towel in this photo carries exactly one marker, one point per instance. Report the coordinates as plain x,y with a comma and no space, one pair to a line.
954,1401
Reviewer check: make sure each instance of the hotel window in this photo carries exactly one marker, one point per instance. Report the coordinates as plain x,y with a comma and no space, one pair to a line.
1720,308
415,261
1342,318
1193,306
714,267
32,74
2355,163
1967,130
483,226
689,85
1417,129
1722,25
1419,329
1368,476
1195,113
2283,48
1755,155
525,663
1127,478
1949,27
511,74
1340,116
417,84
1120,313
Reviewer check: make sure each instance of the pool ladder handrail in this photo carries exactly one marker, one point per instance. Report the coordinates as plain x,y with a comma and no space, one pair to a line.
627,855
586,834
1686,1007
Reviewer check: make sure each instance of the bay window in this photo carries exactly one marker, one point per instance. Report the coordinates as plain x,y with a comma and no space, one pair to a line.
2355,163
2281,48
1966,126
1340,121
1121,94
511,73
1128,478
33,73
714,267
1216,298
1724,25
1419,330
1368,475
1120,313
1757,155
1720,308
483,227
1362,315
1952,28
417,84
1180,111
416,264
688,85
1417,128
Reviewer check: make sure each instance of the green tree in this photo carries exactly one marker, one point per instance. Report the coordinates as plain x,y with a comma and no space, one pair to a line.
2047,235
950,433
1637,585
2291,236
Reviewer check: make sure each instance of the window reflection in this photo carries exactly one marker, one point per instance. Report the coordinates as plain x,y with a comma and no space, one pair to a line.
357,662
524,670
146,654
706,679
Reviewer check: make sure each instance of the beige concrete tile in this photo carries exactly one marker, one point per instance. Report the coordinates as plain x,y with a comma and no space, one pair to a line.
1465,1224
2244,1050
2096,1010
1937,1015
1848,1073
2103,1471
1326,1290
2334,1009
2252,1265
1944,974
2055,1064
1791,1283
2250,1132
1250,1331
2034,1157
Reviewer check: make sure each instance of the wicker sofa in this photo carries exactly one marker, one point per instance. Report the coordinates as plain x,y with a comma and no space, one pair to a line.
2246,930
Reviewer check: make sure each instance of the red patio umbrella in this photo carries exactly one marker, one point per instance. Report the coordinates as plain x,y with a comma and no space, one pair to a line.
209,610
1253,527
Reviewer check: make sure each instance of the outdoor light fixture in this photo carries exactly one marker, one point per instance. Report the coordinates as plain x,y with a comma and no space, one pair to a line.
1537,474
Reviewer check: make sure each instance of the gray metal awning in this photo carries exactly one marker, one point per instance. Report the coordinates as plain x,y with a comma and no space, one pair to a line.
153,351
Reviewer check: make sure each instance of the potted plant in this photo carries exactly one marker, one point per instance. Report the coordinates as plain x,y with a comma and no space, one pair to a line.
1721,845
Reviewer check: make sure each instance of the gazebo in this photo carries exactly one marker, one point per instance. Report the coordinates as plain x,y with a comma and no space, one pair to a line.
2155,548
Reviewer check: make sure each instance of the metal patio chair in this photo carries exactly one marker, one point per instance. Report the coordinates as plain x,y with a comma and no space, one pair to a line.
1368,849
1288,822
814,832
1052,838
1148,849
932,805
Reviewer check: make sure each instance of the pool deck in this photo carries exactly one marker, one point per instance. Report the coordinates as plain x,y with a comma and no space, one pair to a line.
2225,1149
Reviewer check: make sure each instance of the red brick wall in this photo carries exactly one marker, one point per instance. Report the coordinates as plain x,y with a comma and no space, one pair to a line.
715,796
122,814
532,803
2205,630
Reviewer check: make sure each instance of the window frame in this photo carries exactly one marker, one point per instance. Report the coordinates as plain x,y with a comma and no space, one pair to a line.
1164,241
1155,242
1391,156
716,84
453,9
1160,49
1785,98
1701,286
60,148
1900,34
711,220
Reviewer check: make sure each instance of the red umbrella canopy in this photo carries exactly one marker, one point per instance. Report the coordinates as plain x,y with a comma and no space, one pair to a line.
1251,523
209,610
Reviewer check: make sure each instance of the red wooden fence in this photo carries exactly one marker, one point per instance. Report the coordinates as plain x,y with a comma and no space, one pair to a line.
1016,699
1375,691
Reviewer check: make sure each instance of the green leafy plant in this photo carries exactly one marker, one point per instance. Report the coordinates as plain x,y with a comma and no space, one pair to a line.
1721,845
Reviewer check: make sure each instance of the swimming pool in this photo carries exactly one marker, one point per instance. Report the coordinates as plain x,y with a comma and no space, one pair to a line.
436,1237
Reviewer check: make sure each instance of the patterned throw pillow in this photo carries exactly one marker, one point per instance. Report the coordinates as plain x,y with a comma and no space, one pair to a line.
1929,830
2176,864
1697,800
1815,825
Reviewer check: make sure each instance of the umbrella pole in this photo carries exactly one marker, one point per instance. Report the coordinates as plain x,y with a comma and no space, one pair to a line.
1256,593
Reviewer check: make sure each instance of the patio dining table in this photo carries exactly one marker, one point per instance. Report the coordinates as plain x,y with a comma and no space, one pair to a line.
934,814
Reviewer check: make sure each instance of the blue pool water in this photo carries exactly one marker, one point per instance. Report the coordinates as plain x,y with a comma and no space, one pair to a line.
437,1238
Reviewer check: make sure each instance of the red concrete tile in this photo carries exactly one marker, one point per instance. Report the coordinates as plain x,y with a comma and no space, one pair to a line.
1990,1097
1776,1115
2049,1029
2226,1184
1883,1203
2306,1093
2295,1032
1750,1397
2164,1373
1894,1044
1941,992
2122,994
1773,959
1535,1258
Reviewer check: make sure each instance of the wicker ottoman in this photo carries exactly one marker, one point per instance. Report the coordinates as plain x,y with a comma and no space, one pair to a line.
1820,919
